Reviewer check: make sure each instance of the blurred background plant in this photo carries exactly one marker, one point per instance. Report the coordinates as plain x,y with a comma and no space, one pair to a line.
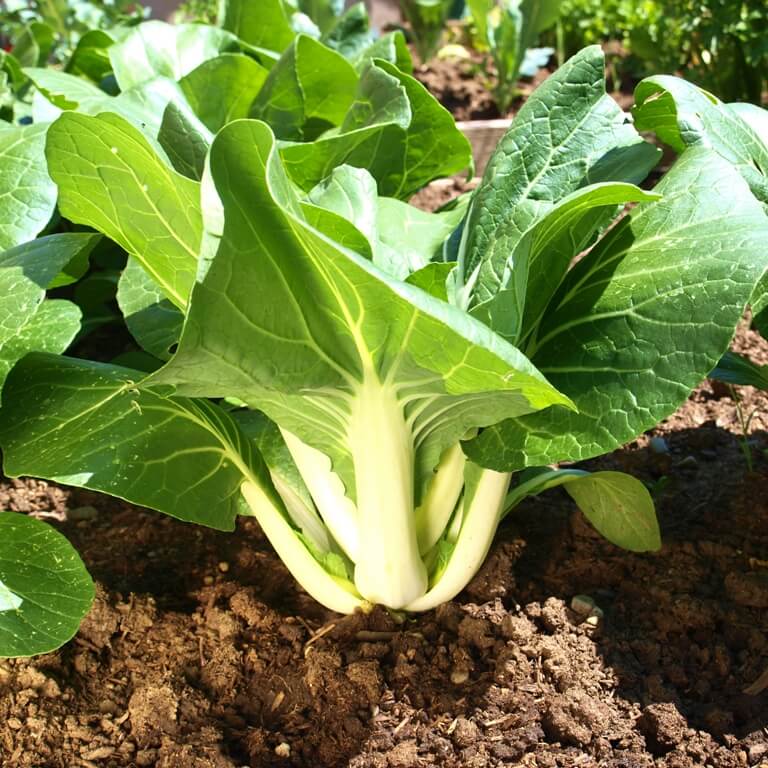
47,31
721,45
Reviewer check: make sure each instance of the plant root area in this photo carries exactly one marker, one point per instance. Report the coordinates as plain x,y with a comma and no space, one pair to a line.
201,651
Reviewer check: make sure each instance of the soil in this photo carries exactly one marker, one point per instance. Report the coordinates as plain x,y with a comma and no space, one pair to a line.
202,652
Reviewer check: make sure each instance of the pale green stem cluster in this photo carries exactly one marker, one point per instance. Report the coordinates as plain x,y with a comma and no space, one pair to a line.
404,558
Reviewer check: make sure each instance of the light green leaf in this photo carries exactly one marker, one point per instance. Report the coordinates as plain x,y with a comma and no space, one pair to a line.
643,318
519,275
223,89
410,238
307,92
27,322
185,140
87,424
152,319
683,116
45,590
395,129
110,178
27,194
328,323
91,55
265,24
324,12
432,278
620,507
156,49
568,134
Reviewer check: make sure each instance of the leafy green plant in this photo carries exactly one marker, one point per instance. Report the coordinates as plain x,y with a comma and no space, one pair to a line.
509,30
719,44
426,19
377,385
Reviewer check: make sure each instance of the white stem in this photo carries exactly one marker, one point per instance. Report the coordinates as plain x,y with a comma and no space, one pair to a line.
390,570
323,587
327,490
480,520
441,498
304,518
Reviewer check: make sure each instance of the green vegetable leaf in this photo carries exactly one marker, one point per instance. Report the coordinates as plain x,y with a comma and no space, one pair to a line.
93,427
27,322
265,24
45,590
329,325
395,129
682,116
308,91
223,89
27,194
156,49
642,318
568,134
519,275
110,178
151,318
741,371
620,507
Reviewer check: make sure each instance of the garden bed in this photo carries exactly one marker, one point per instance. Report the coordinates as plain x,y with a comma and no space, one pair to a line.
202,651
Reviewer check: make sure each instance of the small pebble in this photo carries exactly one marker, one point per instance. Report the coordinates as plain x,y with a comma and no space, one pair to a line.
659,445
224,566
82,513
689,462
459,676
593,621
283,750
208,580
582,604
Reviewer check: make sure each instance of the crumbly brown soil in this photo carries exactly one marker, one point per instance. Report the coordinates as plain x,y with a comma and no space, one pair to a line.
202,652
465,90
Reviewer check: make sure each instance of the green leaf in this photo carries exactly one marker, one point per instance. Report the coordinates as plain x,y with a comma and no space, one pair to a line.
110,178
395,129
143,106
410,238
89,425
185,140
568,134
308,91
27,322
324,12
45,590
326,317
519,275
432,278
156,49
265,24
391,47
91,55
34,45
153,321
620,507
27,194
741,371
223,89
643,318
683,116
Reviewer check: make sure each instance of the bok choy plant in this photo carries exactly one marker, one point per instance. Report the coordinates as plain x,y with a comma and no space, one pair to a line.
377,385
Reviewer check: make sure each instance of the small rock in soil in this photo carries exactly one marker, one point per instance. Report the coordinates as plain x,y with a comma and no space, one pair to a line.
663,727
749,589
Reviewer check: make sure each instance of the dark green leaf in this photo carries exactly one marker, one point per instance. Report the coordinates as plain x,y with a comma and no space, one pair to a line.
45,590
